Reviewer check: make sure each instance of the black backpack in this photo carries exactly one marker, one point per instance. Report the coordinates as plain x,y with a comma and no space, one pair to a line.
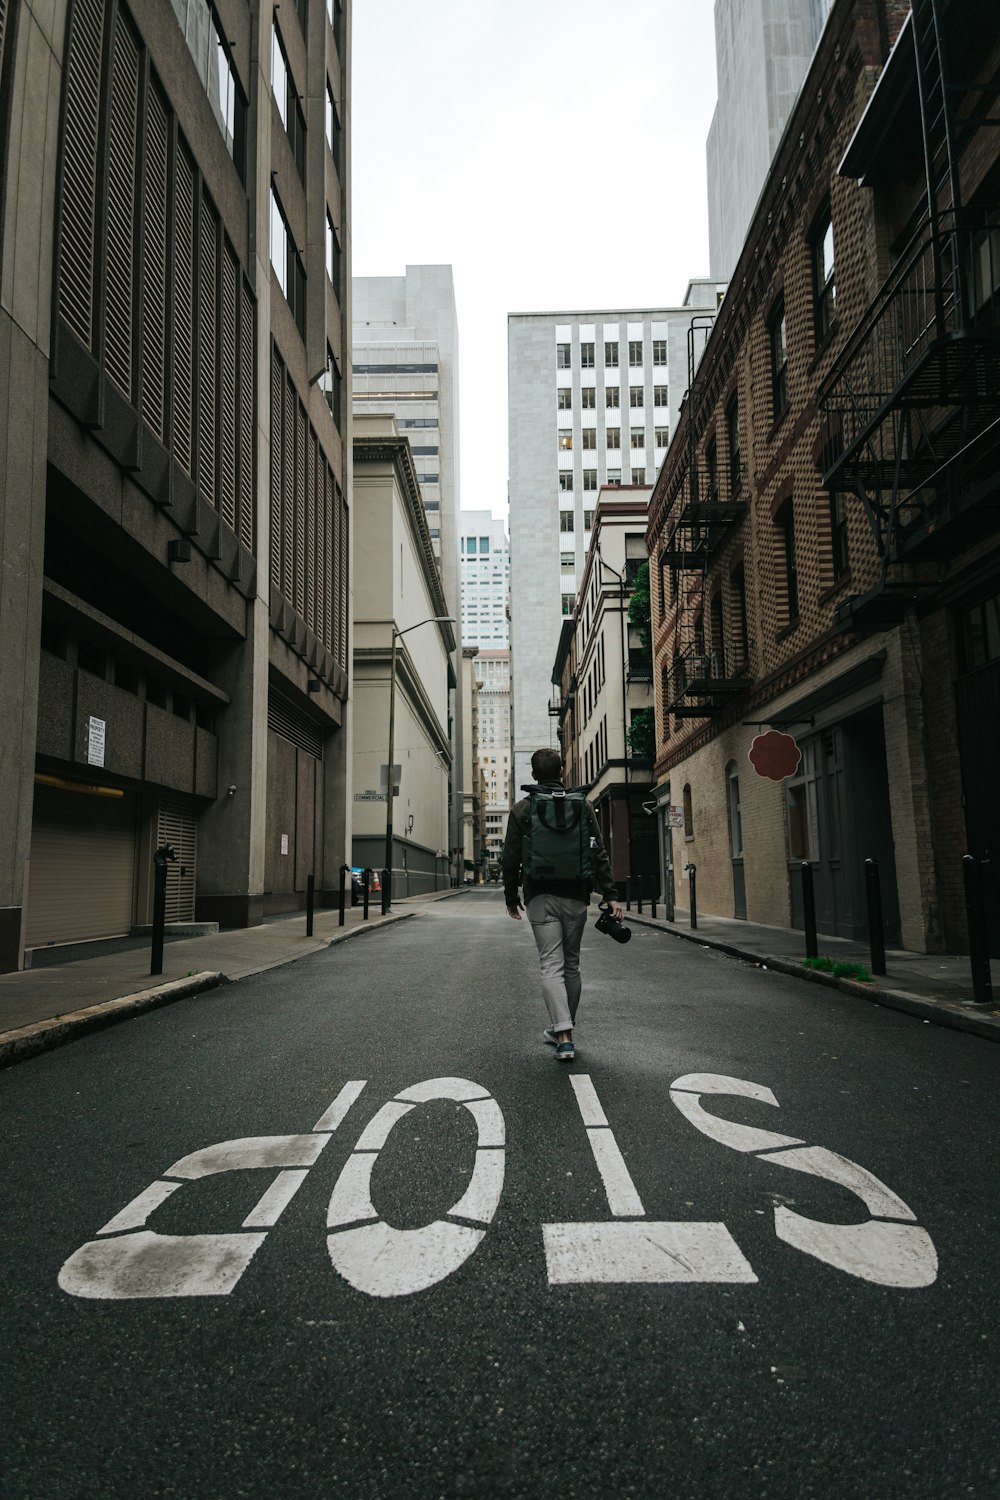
558,844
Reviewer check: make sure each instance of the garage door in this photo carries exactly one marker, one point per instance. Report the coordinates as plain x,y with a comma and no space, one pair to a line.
82,878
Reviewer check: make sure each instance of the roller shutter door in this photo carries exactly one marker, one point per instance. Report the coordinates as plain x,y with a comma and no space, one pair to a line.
176,825
82,879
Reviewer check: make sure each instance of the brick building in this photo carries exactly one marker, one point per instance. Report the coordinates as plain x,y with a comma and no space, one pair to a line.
174,514
824,528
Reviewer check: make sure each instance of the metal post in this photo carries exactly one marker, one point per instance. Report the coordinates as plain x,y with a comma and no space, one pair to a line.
385,891
638,904
668,902
876,927
975,909
692,871
165,855
628,894
345,870
364,892
652,899
809,910
310,903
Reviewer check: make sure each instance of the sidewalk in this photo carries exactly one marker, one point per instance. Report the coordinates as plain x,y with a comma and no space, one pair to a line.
931,986
44,1006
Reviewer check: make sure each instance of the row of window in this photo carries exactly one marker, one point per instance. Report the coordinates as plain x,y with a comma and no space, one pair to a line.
636,476
824,310
567,520
597,753
588,354
612,397
100,663
612,438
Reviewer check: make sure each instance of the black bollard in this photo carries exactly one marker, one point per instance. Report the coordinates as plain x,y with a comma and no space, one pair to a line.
345,870
809,910
165,855
310,903
638,904
876,927
668,897
975,910
652,899
364,892
385,891
628,894
693,895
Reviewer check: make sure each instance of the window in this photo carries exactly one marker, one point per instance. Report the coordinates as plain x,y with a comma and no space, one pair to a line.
735,819
566,480
614,476
213,62
612,396
586,356
588,520
660,397
564,399
333,132
567,604
661,436
567,560
566,520
824,278
331,384
287,265
332,255
785,520
590,479
611,354
635,353
287,101
588,438
613,437
738,584
566,438
838,534
717,616
635,396
659,351
637,437
484,544
981,634
779,360
562,357
801,794
588,398
638,476
733,444
688,812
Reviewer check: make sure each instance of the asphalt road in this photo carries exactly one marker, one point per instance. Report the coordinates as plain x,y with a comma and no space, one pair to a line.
706,1334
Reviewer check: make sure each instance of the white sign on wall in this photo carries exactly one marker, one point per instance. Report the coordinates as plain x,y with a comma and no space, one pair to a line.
284,843
95,741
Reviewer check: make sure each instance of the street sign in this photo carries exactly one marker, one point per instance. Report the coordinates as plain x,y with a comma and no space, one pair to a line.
95,741
675,817
775,755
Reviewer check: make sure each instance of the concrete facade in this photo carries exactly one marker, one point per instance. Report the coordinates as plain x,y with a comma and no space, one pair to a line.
484,559
492,669
562,451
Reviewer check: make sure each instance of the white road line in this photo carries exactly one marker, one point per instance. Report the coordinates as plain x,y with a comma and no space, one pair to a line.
623,1200
586,1097
250,1151
338,1109
135,1214
899,1255
459,1089
159,1265
819,1162
272,1204
482,1196
376,1132
577,1254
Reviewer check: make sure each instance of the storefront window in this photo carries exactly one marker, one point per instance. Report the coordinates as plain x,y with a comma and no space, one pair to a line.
981,634
800,792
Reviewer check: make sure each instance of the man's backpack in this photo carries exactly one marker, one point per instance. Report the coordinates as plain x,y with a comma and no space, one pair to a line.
557,842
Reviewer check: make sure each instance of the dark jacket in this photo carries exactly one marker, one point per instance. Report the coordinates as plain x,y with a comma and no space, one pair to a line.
577,890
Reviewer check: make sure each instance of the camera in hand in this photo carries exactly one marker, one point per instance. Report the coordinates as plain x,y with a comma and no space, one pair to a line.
612,926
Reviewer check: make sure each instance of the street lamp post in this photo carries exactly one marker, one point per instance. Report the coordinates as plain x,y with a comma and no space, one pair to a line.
390,790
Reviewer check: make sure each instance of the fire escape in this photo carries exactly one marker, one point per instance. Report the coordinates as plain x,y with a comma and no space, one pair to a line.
911,409
700,515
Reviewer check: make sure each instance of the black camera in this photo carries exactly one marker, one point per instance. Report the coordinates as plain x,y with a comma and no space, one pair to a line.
612,926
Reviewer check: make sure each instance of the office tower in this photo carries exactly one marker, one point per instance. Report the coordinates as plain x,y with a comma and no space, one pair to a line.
762,51
174,518
593,398
484,559
406,364
492,669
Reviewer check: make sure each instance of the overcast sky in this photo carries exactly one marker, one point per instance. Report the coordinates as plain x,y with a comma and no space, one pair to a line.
551,151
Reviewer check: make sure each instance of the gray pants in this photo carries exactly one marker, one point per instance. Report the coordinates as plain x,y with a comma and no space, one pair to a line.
557,923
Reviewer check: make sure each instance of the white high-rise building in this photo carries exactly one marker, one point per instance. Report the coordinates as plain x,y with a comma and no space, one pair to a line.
492,669
405,354
484,562
762,51
593,398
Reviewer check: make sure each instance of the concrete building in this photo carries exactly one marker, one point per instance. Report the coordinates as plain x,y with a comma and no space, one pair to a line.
604,701
825,527
493,678
762,51
484,560
175,564
593,398
474,799
397,590
405,355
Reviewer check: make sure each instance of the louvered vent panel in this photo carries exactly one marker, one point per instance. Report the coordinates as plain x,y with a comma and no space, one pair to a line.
207,353
183,368
299,597
293,725
177,825
228,414
322,547
313,556
154,266
119,272
343,554
246,419
77,213
288,492
277,466
329,559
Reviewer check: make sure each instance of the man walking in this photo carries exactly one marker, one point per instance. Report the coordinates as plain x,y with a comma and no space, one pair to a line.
556,907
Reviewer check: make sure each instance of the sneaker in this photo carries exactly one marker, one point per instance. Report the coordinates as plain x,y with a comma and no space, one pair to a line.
548,1035
565,1052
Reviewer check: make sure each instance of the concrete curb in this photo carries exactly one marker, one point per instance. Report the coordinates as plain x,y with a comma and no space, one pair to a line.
940,1012
42,1036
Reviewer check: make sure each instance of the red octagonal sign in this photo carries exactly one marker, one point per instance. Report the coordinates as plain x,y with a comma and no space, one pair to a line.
775,755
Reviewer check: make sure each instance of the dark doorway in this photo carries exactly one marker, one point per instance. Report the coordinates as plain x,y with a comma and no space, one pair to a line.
978,703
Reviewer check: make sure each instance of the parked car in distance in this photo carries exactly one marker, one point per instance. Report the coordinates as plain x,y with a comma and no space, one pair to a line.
358,881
